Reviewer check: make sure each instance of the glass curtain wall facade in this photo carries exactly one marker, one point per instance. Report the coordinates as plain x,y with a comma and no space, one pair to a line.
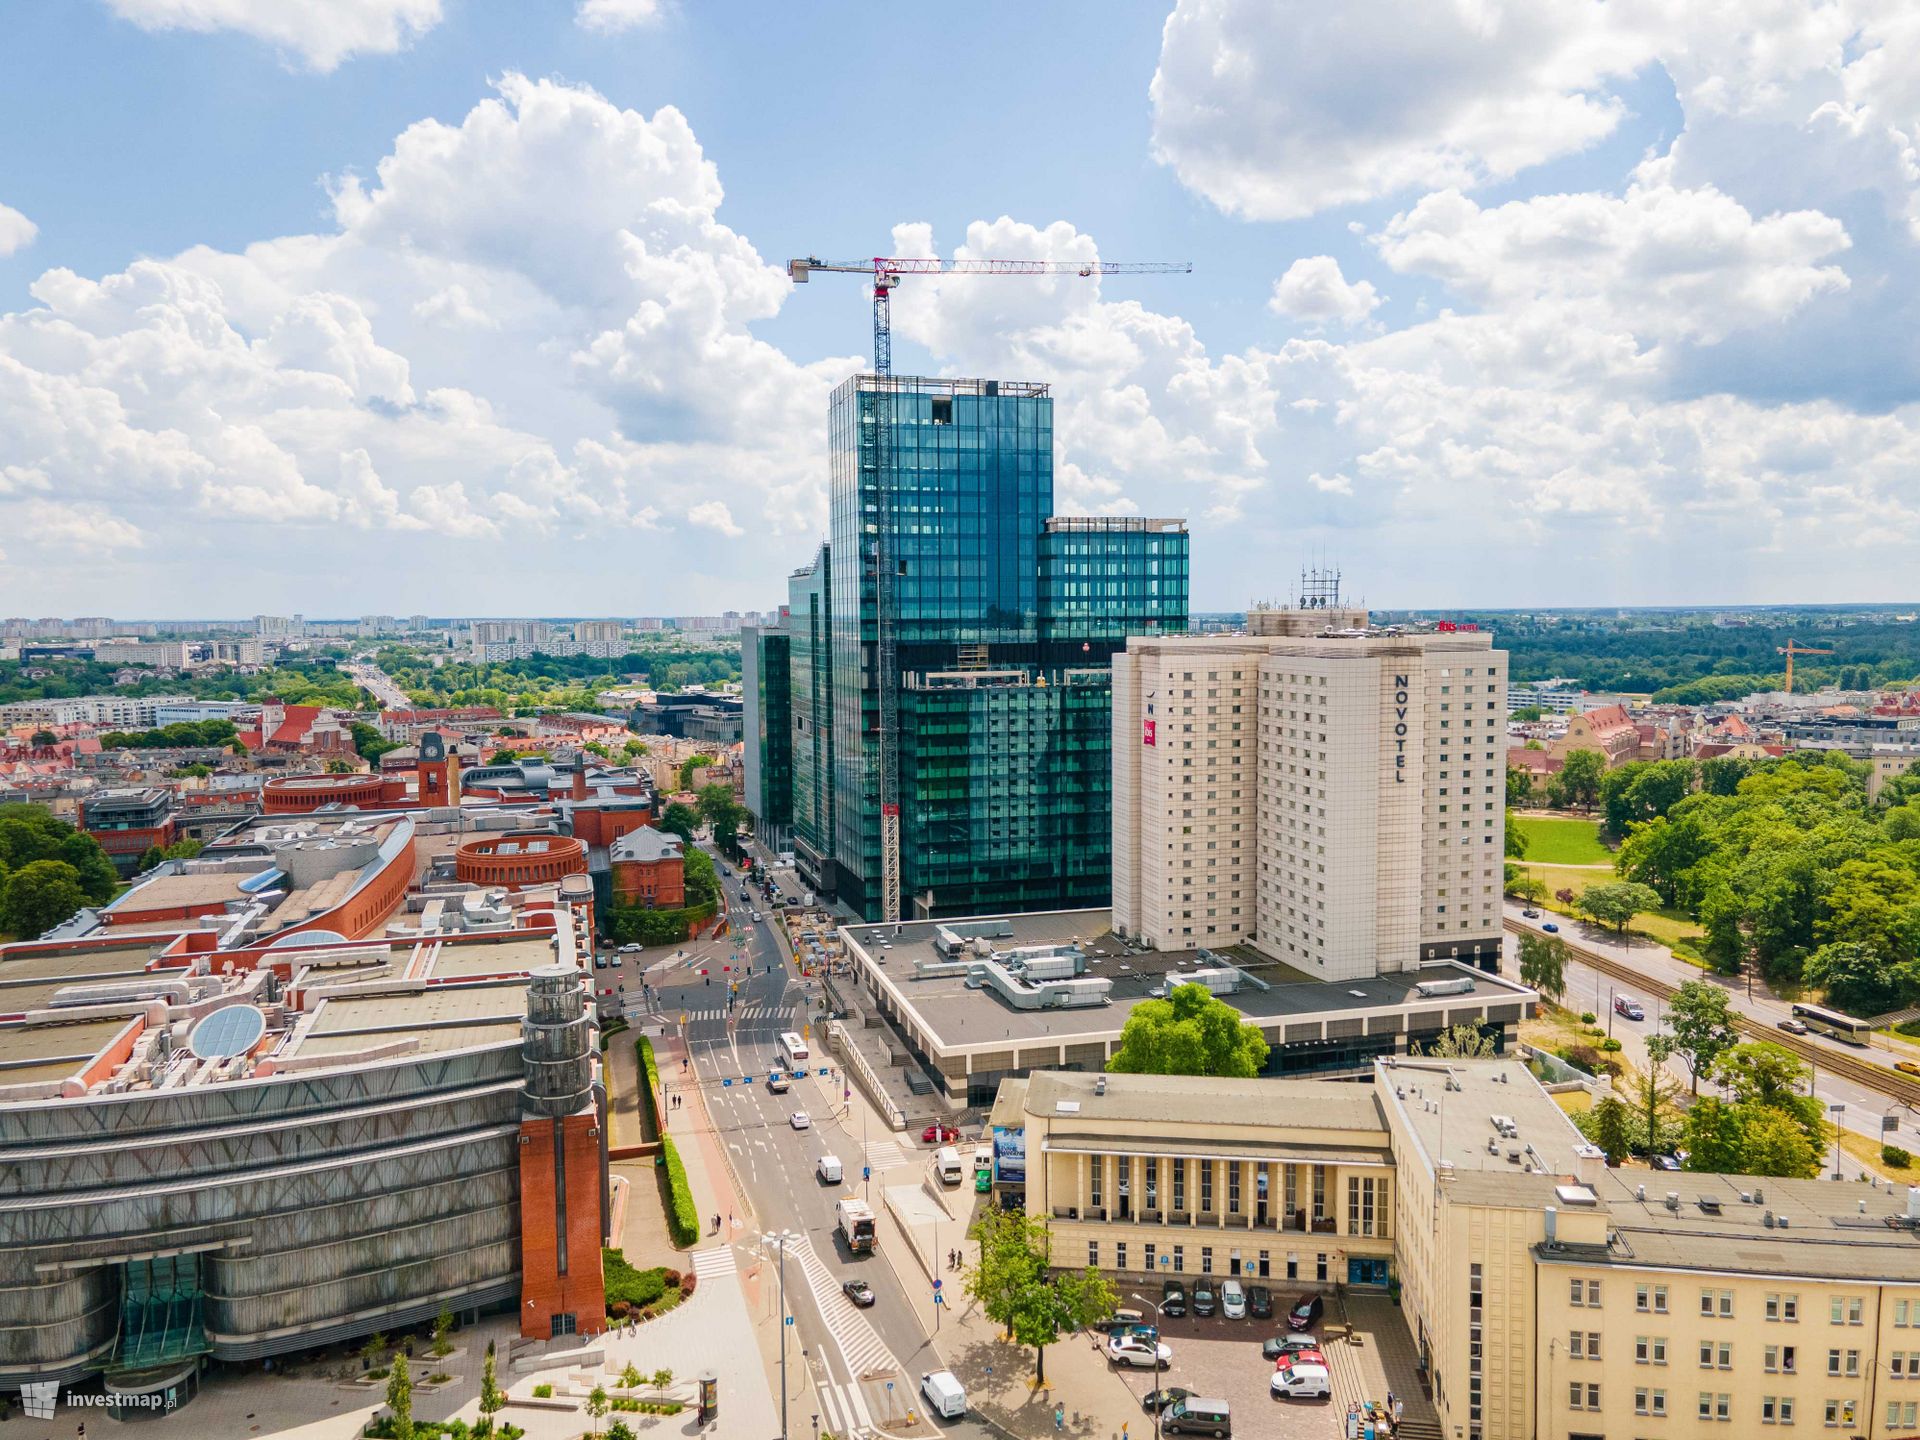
1006,620
765,674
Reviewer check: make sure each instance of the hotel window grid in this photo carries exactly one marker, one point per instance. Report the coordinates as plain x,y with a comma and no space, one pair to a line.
1120,1255
1715,1407
1902,1414
1206,1260
1095,1182
1149,1248
1179,1259
1649,1402
1651,1299
1845,1311
1363,1192
1179,1186
1583,1396
1650,1350
1776,1409
1780,1359
1475,1362
1583,1292
1716,1354
1839,1413
1233,1187
1583,1344
1850,1359
1784,1308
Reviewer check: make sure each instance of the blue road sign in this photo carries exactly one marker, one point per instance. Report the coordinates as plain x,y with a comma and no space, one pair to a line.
866,1172
936,1282
789,1319
938,1298
725,1083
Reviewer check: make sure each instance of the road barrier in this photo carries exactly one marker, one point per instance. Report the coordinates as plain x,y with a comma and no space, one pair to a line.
854,1061
1888,1082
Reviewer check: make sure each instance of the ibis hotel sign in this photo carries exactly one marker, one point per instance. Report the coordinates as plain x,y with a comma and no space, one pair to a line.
1400,693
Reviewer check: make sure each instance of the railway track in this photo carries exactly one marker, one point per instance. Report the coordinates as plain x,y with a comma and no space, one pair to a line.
1881,1078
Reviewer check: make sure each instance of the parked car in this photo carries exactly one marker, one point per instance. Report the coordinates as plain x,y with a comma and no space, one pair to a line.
1159,1399
1666,1162
1140,1352
1280,1346
629,949
1203,1298
1125,1318
1301,1382
859,1292
1311,1356
937,1134
1233,1300
1628,1006
1530,914
1551,928
1260,1302
800,1120
1306,1312
1173,1298
1792,1026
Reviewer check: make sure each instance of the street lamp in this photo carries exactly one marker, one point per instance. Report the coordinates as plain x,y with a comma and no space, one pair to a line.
1159,1315
780,1240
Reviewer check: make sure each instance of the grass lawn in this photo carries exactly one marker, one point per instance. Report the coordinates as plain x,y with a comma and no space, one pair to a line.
1562,842
1665,926
1867,1152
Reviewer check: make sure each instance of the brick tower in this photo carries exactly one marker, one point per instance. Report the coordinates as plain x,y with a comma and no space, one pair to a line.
438,770
562,1164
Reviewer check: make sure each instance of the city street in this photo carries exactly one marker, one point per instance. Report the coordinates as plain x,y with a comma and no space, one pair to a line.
1588,989
865,1363
378,683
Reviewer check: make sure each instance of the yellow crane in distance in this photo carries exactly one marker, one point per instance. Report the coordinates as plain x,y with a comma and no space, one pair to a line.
1791,649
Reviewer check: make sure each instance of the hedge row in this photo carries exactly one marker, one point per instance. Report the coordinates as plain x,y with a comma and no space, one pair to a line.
649,1080
683,1221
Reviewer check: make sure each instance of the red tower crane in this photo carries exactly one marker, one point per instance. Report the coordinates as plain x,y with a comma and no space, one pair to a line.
886,272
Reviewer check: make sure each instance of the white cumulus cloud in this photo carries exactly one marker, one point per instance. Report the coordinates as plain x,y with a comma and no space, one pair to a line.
321,34
1314,289
16,230
613,16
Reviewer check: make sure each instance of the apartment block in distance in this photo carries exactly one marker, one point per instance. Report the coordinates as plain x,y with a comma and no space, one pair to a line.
1005,619
1330,791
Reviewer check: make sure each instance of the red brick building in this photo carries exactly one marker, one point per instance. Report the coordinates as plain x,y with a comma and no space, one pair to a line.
649,870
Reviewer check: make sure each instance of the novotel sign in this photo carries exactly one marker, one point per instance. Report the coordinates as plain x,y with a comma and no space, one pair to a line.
1399,729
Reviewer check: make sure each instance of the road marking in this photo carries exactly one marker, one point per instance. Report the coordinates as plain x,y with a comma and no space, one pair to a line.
886,1154
860,1345
715,1260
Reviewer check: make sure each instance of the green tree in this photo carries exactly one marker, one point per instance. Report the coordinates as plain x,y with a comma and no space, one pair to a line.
340,767
1528,890
1702,1028
368,742
1516,840
1461,1042
1577,782
1642,791
1775,1144
1652,1090
40,895
400,1398
1543,964
596,1406
43,738
1526,714
442,1327
98,878
661,1379
1617,904
492,1401
631,1378
681,820
1191,1032
1519,785
1765,1076
1715,1137
1012,1283
1855,978
691,764
1613,1128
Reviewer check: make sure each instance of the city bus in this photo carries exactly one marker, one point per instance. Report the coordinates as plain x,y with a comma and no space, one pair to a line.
793,1051
1839,1026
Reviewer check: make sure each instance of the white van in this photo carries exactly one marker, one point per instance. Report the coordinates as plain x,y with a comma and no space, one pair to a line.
1197,1415
1302,1382
947,1163
983,1155
828,1169
944,1395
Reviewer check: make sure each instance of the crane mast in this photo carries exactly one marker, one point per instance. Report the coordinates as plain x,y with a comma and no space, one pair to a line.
886,271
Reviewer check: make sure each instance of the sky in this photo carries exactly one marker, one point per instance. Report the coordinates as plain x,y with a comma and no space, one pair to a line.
480,306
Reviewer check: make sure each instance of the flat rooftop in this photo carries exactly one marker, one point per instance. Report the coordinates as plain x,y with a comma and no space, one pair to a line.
442,1005
170,892
1448,1107
465,959
29,978
53,1052
960,1016
441,1037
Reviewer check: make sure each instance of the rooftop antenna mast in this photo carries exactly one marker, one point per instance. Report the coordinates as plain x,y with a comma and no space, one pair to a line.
886,272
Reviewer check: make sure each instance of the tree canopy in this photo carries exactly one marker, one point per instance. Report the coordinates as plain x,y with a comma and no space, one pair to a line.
1015,1289
1543,963
1617,904
1700,1026
1191,1032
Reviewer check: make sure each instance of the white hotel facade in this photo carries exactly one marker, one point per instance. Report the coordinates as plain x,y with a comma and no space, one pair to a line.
1331,792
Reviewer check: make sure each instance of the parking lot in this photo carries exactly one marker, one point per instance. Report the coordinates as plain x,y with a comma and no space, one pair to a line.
1368,1353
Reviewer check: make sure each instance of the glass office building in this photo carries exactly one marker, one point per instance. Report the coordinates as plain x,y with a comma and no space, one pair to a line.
1006,618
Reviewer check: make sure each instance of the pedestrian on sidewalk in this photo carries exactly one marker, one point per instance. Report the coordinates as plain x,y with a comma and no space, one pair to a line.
1059,1417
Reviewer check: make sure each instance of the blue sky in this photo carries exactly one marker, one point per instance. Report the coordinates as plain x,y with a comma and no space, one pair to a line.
1497,304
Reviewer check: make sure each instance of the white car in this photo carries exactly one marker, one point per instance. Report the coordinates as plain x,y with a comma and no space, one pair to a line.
1138,1350
1233,1300
800,1120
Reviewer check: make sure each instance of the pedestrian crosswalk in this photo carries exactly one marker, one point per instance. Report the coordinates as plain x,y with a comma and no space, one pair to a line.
740,1014
715,1261
887,1154
866,1354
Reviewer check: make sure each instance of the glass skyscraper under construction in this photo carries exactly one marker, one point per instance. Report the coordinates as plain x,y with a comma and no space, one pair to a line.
1005,620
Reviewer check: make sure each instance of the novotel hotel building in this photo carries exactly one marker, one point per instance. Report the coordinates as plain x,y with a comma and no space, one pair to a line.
1330,791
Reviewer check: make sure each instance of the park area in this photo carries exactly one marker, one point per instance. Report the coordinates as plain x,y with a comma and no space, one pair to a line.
1561,841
